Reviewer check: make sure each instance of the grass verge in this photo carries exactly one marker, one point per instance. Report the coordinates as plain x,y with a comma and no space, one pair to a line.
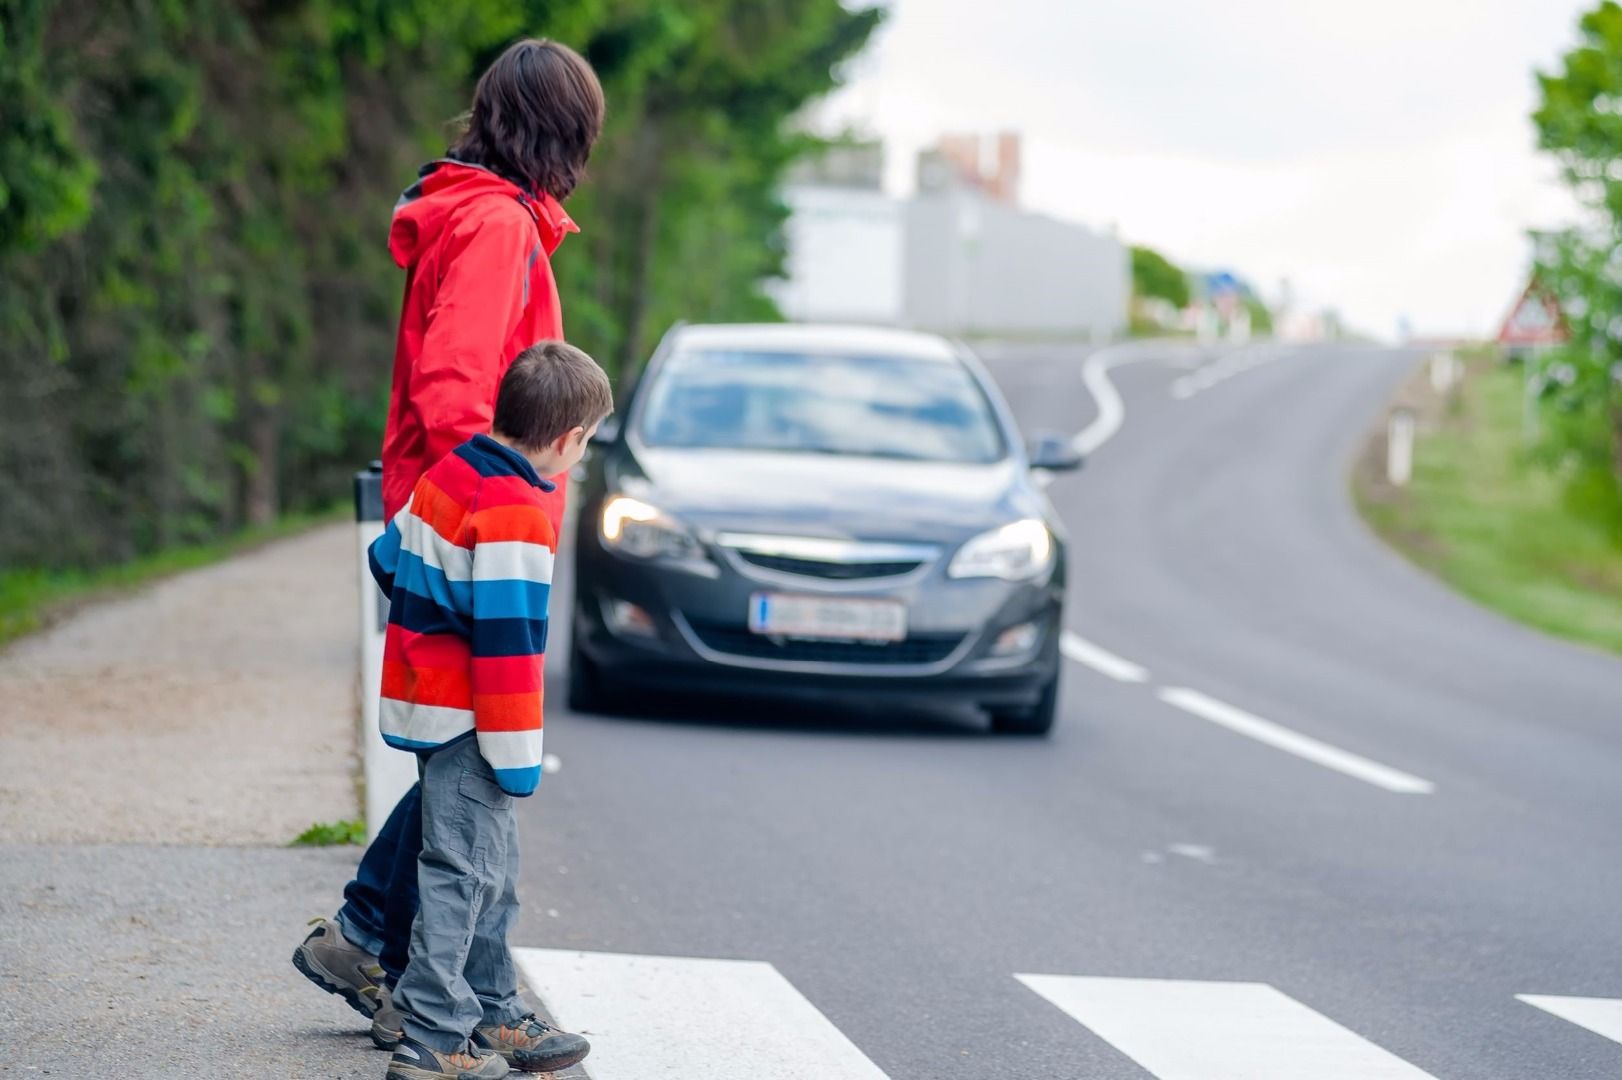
330,833
31,599
1532,543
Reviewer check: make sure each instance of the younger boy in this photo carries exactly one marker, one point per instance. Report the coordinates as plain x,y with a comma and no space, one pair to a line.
467,567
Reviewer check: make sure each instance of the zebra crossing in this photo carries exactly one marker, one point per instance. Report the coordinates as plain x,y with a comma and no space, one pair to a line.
644,1014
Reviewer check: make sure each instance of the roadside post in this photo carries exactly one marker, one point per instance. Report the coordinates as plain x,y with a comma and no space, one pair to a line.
388,772
1399,453
1444,371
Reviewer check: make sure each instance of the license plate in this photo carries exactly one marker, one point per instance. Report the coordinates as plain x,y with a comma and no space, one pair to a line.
784,615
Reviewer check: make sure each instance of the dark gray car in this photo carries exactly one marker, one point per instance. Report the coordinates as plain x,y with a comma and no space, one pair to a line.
819,510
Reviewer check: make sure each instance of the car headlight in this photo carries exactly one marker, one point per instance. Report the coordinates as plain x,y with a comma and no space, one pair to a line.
635,528
1019,550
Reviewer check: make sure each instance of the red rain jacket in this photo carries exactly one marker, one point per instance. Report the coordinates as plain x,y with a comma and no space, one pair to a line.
479,290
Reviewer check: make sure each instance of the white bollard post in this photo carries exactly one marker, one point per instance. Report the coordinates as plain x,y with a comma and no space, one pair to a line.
389,773
1399,453
1444,371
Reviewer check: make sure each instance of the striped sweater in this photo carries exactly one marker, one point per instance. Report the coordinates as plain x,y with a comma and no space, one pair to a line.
467,568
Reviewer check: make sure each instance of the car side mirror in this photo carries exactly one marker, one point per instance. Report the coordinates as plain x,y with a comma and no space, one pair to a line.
1055,453
608,432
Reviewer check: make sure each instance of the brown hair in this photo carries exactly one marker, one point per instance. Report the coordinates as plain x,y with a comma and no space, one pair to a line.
536,113
551,389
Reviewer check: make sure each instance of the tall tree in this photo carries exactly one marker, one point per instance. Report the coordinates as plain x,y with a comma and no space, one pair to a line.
196,304
1580,120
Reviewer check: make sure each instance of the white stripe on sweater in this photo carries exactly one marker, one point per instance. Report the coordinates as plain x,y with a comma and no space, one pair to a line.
419,538
431,724
511,749
507,560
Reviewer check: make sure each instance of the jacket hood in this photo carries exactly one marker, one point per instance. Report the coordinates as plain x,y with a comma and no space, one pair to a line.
425,209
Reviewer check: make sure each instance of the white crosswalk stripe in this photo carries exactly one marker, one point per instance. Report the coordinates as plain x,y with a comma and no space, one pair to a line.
647,1017
1602,1016
653,1017
1180,1030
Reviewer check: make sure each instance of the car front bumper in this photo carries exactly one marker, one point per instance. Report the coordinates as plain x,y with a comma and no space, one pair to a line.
700,640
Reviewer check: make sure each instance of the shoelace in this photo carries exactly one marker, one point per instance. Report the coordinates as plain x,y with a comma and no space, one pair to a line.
532,1027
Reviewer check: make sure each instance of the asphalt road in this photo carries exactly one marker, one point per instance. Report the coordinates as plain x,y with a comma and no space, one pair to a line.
1284,758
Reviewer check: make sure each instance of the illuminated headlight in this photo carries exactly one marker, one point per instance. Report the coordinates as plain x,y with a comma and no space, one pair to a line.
633,527
1015,552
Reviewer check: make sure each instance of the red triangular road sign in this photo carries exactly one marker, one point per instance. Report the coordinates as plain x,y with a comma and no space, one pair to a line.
1534,320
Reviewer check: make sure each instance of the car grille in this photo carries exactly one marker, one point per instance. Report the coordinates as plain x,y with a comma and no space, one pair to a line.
832,571
918,649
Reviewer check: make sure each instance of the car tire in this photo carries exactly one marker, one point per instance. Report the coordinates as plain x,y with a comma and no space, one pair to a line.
586,690
1031,719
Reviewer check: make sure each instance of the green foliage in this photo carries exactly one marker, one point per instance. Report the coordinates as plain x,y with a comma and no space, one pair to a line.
1580,121
331,833
1541,546
1261,317
197,308
1153,275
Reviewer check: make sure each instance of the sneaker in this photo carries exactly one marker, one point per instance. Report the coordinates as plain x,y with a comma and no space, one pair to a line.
414,1061
533,1045
333,963
386,1032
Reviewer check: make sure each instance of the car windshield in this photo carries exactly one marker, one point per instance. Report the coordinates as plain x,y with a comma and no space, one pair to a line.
861,406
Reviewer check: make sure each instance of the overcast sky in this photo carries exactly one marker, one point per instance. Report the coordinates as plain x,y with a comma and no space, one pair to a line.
1378,155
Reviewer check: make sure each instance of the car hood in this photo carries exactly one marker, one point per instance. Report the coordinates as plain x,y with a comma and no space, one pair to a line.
828,495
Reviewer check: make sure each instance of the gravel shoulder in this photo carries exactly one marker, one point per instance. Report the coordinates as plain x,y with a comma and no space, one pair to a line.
217,707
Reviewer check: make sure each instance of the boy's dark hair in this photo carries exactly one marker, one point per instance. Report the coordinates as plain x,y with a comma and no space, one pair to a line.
536,113
551,389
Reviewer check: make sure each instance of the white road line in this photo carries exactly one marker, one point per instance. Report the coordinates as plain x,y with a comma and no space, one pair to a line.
1111,410
1602,1016
1218,1030
1292,742
1079,649
670,1017
1219,370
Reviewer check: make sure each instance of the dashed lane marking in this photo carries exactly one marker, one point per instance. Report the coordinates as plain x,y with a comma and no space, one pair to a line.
1293,742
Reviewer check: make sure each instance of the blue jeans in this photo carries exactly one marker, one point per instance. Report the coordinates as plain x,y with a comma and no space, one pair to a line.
381,902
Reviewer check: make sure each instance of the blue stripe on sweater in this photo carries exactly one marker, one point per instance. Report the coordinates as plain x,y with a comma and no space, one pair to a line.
421,615
417,577
508,637
519,782
383,557
514,598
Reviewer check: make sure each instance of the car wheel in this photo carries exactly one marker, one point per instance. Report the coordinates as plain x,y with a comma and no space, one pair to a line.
586,692
1032,719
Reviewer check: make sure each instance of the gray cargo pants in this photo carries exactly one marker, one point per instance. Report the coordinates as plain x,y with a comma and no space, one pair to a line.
460,974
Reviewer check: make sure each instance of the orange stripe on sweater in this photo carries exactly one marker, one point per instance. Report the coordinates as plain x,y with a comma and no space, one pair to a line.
508,712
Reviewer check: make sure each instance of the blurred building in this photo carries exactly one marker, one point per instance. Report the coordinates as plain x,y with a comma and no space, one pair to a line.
846,240
977,265
958,257
987,164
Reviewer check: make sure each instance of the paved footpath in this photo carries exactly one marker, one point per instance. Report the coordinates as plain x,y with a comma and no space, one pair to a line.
157,753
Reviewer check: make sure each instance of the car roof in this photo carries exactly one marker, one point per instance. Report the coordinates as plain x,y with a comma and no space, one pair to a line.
816,338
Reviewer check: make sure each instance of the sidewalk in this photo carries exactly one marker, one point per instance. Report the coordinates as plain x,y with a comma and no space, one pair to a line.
143,961
217,707
159,751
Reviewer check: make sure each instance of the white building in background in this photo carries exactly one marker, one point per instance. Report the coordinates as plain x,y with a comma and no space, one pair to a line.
959,257
976,265
846,255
